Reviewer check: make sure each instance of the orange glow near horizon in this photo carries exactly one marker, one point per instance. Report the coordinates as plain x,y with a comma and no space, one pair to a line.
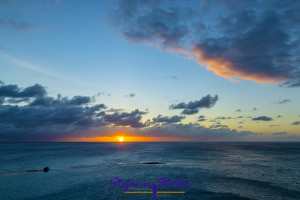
123,138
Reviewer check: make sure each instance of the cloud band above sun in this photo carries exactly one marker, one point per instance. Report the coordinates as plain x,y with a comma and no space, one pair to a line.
29,114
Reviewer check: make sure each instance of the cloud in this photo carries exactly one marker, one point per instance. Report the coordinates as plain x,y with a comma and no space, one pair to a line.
46,118
38,69
169,120
132,119
262,118
238,110
193,106
251,40
8,18
51,102
196,132
201,118
296,123
283,101
279,116
173,77
223,118
130,95
16,24
254,109
280,133
41,116
2,99
16,92
18,100
272,125
219,126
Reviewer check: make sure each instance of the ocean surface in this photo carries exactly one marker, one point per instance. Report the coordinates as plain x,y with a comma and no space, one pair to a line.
212,170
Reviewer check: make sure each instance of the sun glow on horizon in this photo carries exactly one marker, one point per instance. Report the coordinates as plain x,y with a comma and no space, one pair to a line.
121,138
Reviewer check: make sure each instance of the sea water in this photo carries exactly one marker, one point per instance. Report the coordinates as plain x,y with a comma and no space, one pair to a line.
221,170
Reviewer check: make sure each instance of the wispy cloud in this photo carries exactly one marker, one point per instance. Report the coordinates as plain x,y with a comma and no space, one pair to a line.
130,95
38,69
282,101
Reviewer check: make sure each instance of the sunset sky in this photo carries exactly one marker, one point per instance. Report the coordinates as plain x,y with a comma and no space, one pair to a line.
149,70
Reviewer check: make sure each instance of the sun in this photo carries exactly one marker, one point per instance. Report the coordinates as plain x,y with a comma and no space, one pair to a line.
121,139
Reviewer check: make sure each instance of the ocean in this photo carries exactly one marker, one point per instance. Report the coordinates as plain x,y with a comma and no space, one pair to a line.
199,170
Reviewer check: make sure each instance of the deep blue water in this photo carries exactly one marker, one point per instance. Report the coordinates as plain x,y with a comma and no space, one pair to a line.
213,170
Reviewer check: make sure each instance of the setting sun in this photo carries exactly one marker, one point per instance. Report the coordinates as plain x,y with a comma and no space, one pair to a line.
121,139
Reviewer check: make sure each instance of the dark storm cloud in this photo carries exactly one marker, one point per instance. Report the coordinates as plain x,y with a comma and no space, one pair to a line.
2,99
253,40
41,116
169,120
193,106
50,101
262,118
16,92
17,100
296,123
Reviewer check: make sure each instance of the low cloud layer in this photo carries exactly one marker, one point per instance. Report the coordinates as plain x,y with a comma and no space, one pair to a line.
252,40
280,133
45,118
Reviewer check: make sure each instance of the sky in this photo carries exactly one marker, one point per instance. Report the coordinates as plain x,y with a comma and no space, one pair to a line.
149,70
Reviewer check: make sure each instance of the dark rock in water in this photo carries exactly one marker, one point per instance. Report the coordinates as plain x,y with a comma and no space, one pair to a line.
153,163
46,169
